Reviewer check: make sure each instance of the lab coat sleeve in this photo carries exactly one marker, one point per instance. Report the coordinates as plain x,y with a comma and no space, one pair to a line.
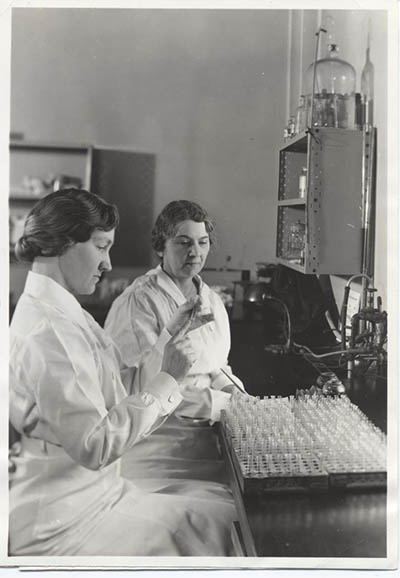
133,324
203,403
70,397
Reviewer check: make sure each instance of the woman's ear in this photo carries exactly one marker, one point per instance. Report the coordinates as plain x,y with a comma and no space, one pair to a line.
160,254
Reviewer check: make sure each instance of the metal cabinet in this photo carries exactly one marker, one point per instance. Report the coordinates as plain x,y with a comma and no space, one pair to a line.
123,177
320,229
126,179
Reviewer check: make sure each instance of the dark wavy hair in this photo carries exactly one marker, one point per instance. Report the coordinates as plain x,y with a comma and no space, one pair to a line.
61,219
173,214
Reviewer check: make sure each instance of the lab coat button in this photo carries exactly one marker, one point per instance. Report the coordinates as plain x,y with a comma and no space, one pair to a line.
171,398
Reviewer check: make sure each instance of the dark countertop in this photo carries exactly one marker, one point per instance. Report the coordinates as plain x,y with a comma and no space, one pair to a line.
344,524
334,524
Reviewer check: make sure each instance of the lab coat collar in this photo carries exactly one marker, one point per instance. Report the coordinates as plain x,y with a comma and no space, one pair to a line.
46,289
172,289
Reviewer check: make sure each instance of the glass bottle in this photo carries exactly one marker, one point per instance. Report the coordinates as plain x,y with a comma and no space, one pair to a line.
367,91
303,183
289,130
301,115
334,91
296,242
291,126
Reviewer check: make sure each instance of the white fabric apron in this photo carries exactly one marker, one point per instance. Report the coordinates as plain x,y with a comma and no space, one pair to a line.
84,512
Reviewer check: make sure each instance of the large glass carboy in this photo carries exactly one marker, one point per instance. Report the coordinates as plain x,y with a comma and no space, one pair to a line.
334,91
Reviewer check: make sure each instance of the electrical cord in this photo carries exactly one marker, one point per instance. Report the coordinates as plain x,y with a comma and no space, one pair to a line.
287,328
331,353
304,348
289,343
331,363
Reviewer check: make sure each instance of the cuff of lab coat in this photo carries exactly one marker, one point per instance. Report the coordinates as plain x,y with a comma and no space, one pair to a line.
165,388
222,381
219,401
162,341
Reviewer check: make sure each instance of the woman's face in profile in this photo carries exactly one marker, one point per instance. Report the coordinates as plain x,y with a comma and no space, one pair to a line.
186,252
82,264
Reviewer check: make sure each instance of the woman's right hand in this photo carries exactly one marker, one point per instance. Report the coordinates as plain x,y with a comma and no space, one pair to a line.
184,313
179,355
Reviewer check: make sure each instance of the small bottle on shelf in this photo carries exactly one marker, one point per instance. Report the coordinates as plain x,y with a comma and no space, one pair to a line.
303,183
291,127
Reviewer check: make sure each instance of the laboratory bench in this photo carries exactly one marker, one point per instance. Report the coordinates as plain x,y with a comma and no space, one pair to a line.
333,524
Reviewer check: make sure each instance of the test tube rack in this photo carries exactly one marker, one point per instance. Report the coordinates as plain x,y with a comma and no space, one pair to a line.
309,443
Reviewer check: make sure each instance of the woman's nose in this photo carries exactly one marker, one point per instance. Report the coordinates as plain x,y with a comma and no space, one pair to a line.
106,264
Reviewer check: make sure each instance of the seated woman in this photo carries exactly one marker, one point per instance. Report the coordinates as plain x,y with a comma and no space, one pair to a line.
141,321
78,408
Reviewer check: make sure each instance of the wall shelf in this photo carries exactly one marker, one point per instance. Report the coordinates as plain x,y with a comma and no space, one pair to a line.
331,212
51,147
292,202
122,177
296,266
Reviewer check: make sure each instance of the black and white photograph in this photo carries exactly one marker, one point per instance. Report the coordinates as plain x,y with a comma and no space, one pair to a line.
199,303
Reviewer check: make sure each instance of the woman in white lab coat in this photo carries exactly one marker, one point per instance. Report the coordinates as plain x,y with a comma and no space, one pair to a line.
78,417
141,321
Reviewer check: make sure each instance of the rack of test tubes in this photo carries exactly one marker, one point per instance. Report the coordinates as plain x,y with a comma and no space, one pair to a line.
307,442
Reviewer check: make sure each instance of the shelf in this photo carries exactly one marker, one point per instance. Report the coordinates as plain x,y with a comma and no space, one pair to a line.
299,142
292,202
46,162
296,144
49,147
331,210
121,177
25,197
295,266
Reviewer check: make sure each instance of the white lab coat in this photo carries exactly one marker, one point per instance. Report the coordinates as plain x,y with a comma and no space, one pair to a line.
137,322
77,418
